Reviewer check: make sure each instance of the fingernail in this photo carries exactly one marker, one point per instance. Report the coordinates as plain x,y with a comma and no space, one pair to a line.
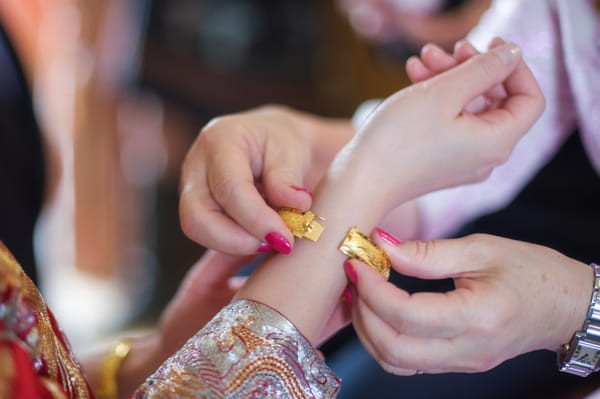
304,190
264,247
458,45
508,53
496,42
348,296
387,237
350,272
278,242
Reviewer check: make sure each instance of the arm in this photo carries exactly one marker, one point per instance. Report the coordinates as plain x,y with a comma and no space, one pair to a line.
304,287
355,178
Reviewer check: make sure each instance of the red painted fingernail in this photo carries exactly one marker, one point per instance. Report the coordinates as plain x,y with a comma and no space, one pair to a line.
264,247
304,190
350,272
387,237
348,296
278,242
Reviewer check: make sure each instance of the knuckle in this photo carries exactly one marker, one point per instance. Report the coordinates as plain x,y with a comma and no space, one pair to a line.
223,189
424,249
478,247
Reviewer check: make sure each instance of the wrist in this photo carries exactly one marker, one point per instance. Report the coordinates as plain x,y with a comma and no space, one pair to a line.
145,355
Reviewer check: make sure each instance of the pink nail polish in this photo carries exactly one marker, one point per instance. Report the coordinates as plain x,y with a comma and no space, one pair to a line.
348,296
304,190
264,247
387,237
350,272
278,242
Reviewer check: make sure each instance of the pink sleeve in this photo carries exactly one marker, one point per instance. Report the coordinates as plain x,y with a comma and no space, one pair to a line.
533,26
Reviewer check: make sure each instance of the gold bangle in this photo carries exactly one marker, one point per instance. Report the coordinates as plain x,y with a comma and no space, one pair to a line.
358,246
302,224
109,368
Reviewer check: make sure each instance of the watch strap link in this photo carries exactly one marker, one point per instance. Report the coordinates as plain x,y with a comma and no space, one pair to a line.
587,339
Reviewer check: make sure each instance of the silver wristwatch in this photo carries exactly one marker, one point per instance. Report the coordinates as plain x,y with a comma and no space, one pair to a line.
581,356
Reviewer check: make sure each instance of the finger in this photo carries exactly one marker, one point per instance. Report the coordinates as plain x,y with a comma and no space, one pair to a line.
497,92
231,182
403,354
416,70
523,105
425,314
204,221
283,179
437,60
482,72
463,50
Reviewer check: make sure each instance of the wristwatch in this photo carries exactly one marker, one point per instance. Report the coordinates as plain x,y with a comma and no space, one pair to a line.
581,356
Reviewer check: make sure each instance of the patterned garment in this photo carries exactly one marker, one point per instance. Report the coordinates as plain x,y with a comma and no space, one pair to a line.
35,358
247,351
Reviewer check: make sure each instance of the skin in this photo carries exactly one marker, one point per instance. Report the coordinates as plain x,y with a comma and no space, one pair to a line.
306,286
511,297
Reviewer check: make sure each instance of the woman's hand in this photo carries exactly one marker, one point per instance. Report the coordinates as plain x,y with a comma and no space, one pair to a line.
243,165
510,298
427,131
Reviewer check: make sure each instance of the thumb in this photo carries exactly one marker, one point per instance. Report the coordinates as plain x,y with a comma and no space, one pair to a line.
283,179
476,75
435,259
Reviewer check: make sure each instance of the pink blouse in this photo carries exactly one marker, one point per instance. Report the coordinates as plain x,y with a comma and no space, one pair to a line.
561,44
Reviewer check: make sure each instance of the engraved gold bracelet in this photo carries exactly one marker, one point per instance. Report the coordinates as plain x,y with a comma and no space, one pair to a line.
302,224
358,246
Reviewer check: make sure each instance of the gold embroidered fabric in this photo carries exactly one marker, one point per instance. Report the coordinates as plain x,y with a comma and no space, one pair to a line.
248,350
28,325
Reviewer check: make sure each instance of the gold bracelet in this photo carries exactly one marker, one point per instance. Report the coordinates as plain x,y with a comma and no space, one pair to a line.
358,246
109,368
302,224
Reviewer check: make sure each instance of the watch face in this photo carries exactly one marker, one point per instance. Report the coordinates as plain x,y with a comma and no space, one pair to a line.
585,355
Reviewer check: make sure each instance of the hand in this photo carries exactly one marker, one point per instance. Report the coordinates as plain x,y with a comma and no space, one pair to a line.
424,131
511,297
243,165
434,60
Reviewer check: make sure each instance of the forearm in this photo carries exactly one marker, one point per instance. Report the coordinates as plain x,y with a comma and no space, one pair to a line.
306,285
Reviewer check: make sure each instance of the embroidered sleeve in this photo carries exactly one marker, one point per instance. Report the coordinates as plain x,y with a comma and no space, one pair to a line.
248,350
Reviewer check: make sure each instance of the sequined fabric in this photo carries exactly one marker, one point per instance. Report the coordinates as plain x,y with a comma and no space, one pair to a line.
247,351
36,360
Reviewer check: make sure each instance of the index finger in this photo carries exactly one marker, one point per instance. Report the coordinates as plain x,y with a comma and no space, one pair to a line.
202,218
